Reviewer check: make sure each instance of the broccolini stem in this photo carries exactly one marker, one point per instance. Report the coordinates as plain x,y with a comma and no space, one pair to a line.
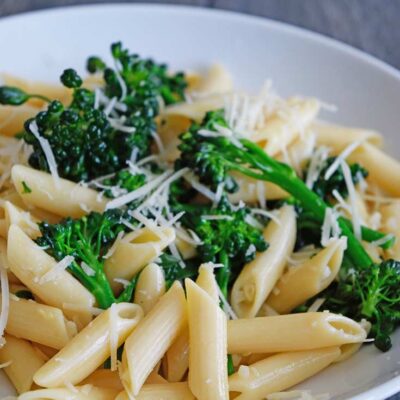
98,285
223,273
285,177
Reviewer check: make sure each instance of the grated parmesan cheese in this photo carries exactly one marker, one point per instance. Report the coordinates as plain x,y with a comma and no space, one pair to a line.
62,265
356,220
341,158
48,152
316,305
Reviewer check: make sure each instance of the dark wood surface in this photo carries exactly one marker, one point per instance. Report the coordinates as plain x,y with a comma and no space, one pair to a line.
370,25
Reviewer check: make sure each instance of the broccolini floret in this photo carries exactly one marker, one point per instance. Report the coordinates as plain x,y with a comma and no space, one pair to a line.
87,240
336,182
100,130
374,294
213,157
227,236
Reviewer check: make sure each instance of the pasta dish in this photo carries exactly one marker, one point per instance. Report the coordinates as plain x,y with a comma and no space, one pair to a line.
166,236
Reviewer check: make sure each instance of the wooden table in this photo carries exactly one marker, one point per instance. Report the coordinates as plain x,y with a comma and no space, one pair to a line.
371,25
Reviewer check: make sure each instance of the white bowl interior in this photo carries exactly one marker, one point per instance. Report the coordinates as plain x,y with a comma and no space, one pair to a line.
366,91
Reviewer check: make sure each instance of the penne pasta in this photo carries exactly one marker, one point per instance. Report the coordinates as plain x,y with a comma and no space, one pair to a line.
134,251
150,287
70,199
283,128
86,392
105,378
293,332
390,214
348,349
250,190
24,362
177,358
217,80
385,173
339,137
163,391
30,263
208,374
279,372
257,278
12,118
90,348
148,343
206,281
33,321
21,218
197,109
302,282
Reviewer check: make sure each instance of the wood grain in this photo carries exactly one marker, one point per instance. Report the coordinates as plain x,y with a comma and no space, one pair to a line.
370,25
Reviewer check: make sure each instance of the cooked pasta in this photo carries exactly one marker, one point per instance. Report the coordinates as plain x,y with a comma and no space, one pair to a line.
166,236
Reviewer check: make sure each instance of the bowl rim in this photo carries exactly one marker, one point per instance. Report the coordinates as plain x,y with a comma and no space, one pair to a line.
389,387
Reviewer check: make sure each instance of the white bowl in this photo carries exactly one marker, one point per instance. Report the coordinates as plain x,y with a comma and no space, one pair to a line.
40,45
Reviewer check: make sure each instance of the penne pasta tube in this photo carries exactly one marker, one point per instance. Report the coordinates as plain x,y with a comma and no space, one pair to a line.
12,118
24,362
150,287
30,263
163,391
104,378
385,173
348,349
197,109
391,225
155,377
90,348
177,358
33,321
257,278
250,190
279,372
148,343
68,200
208,373
206,281
217,80
169,128
302,282
283,128
45,351
338,137
86,392
134,251
21,218
292,332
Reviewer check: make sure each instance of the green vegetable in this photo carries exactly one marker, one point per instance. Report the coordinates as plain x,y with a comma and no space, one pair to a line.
24,294
25,188
84,144
87,239
13,96
372,293
88,143
212,158
173,270
123,180
226,236
325,187
71,79
309,232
